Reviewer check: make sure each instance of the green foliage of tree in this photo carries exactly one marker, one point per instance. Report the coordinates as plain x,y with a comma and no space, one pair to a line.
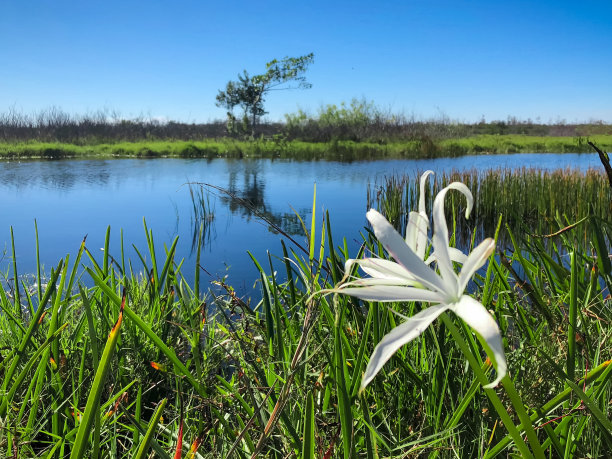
249,92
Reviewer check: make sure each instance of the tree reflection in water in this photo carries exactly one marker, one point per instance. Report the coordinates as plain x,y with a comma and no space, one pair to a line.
246,200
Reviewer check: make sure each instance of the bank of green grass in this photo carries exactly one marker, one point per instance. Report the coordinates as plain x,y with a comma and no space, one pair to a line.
493,144
279,377
278,147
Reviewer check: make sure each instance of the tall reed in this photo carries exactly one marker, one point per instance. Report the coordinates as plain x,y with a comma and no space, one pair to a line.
533,200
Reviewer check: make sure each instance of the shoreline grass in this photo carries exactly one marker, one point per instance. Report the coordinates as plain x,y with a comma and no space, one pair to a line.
531,199
281,148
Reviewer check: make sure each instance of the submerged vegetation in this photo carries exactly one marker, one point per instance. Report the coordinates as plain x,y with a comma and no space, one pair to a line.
105,358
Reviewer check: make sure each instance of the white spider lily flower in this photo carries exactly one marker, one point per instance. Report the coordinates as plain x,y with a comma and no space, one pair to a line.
409,278
418,224
416,239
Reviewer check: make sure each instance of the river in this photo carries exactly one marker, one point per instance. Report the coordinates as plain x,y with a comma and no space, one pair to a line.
73,198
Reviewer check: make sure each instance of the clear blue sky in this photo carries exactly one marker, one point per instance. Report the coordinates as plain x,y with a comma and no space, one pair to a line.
462,59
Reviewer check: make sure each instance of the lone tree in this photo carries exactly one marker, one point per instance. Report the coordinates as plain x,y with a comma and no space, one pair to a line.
249,92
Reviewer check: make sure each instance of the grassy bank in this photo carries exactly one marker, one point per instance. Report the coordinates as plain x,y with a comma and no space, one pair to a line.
281,148
141,362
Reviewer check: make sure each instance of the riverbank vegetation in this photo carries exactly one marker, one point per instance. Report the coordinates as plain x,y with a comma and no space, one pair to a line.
533,201
358,130
279,147
110,357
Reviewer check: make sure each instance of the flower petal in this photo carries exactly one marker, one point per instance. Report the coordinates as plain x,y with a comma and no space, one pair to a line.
369,281
440,236
455,255
475,260
483,323
411,230
377,290
416,232
396,246
422,184
399,336
466,192
379,267
422,223
445,265
438,207
421,237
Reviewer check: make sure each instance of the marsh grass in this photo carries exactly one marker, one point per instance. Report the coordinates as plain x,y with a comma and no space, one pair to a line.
279,147
280,377
532,200
202,216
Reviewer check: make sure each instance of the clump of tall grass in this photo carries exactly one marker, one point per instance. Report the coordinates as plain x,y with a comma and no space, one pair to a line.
122,360
530,199
517,144
202,215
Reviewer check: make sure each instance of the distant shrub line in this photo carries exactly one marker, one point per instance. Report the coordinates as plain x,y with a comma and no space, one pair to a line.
358,121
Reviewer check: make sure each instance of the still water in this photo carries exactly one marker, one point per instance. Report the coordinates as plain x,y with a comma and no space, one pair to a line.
73,198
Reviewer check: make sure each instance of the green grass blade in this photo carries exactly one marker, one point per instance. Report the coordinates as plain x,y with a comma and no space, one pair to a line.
308,445
344,402
359,362
148,332
598,414
15,385
573,308
167,264
17,304
25,341
93,400
311,245
93,339
144,444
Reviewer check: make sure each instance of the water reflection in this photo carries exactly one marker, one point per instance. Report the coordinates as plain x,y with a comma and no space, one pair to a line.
254,173
245,197
246,203
54,174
